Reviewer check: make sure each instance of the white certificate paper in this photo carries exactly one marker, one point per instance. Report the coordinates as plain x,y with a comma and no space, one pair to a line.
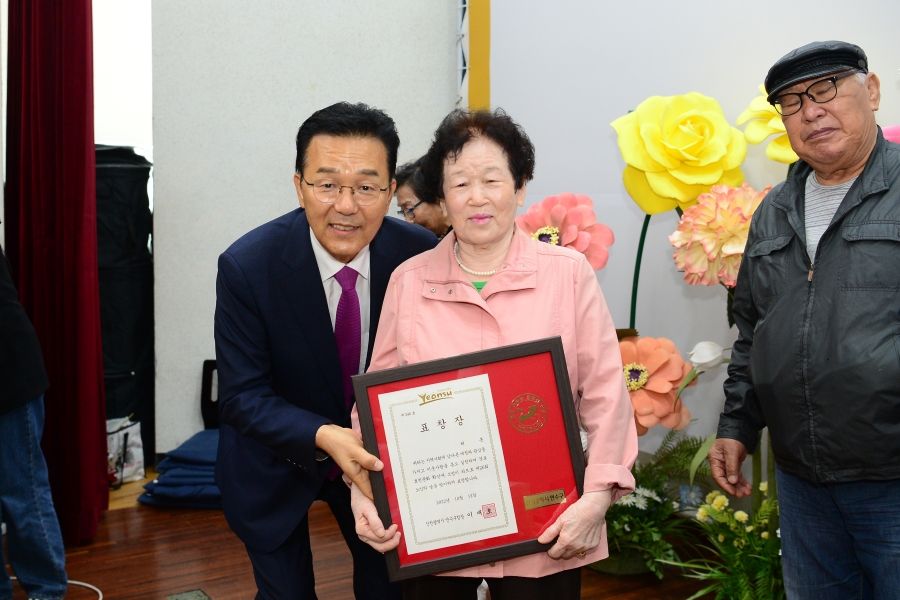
448,464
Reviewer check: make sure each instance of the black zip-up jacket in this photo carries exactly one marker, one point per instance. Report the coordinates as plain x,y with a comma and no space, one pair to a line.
817,358
22,374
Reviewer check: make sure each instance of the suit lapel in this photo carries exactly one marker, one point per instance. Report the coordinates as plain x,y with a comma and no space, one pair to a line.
302,286
382,258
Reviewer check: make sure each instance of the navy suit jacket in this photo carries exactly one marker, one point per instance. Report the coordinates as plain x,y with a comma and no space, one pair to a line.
279,372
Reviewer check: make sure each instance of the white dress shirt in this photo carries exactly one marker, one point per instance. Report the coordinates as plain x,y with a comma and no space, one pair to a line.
328,268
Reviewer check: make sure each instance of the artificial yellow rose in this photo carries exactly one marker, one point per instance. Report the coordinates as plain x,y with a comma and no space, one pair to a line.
764,121
676,148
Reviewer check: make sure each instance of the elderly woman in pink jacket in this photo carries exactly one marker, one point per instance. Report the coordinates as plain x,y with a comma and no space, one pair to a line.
489,284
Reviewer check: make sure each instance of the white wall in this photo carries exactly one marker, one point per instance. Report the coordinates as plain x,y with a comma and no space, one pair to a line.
123,81
122,76
566,70
232,81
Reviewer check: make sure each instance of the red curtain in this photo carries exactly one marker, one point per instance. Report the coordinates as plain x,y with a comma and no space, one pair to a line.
51,230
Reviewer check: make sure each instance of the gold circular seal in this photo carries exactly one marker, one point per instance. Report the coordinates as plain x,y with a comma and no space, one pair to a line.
527,413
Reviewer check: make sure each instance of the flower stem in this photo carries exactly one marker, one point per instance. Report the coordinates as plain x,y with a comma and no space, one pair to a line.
637,270
773,487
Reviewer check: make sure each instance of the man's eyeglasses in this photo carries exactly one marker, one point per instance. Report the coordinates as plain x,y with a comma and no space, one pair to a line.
819,92
410,213
327,191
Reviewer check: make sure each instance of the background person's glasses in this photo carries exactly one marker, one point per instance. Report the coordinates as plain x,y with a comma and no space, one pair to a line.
327,191
819,92
410,213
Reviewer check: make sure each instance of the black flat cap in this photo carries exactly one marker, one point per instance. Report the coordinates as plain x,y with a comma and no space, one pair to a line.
813,60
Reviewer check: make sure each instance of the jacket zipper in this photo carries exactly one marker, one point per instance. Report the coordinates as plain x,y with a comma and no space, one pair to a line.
807,316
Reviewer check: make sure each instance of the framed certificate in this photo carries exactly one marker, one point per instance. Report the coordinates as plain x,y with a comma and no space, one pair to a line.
481,454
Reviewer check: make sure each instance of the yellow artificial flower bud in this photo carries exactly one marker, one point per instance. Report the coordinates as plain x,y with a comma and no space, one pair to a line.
762,121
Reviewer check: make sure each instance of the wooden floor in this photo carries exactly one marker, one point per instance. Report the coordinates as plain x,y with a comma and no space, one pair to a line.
150,553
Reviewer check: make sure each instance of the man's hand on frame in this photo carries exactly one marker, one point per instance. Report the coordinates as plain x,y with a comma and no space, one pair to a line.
346,448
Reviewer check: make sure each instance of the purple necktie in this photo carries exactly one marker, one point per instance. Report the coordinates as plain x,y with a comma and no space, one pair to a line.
347,334
347,330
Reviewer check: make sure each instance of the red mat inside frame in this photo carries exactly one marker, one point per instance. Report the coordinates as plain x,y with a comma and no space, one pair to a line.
536,462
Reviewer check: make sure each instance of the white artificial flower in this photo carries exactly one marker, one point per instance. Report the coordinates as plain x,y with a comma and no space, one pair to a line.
641,503
645,493
706,356
626,500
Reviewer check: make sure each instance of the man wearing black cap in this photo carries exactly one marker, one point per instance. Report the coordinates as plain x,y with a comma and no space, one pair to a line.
817,360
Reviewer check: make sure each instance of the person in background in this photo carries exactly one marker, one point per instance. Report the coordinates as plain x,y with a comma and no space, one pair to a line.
298,302
417,203
33,537
491,284
817,359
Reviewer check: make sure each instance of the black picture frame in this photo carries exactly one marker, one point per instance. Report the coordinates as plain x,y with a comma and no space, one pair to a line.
361,385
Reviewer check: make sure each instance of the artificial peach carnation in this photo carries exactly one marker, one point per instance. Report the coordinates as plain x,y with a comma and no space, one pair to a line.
712,235
568,220
653,370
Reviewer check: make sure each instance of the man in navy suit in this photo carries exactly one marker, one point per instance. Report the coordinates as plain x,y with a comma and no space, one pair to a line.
298,301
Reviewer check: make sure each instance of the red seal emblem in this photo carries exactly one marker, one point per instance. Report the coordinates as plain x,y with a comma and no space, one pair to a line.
488,511
527,413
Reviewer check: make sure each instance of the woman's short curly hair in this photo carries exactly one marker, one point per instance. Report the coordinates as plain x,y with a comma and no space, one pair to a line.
461,126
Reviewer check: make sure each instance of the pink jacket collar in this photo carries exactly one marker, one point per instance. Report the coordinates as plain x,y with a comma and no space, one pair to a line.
518,271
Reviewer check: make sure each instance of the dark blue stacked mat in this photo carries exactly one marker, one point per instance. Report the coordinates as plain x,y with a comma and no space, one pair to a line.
186,475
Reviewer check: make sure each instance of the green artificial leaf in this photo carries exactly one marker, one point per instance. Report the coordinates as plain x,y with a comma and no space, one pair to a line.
704,591
692,375
701,456
673,458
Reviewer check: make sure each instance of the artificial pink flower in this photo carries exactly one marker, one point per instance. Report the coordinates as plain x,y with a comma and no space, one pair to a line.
653,370
568,220
711,235
892,133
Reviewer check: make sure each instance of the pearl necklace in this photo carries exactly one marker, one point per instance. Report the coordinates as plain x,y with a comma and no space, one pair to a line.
467,269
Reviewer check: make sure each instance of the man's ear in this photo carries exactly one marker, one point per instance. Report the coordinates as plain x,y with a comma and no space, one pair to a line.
873,86
298,185
391,190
